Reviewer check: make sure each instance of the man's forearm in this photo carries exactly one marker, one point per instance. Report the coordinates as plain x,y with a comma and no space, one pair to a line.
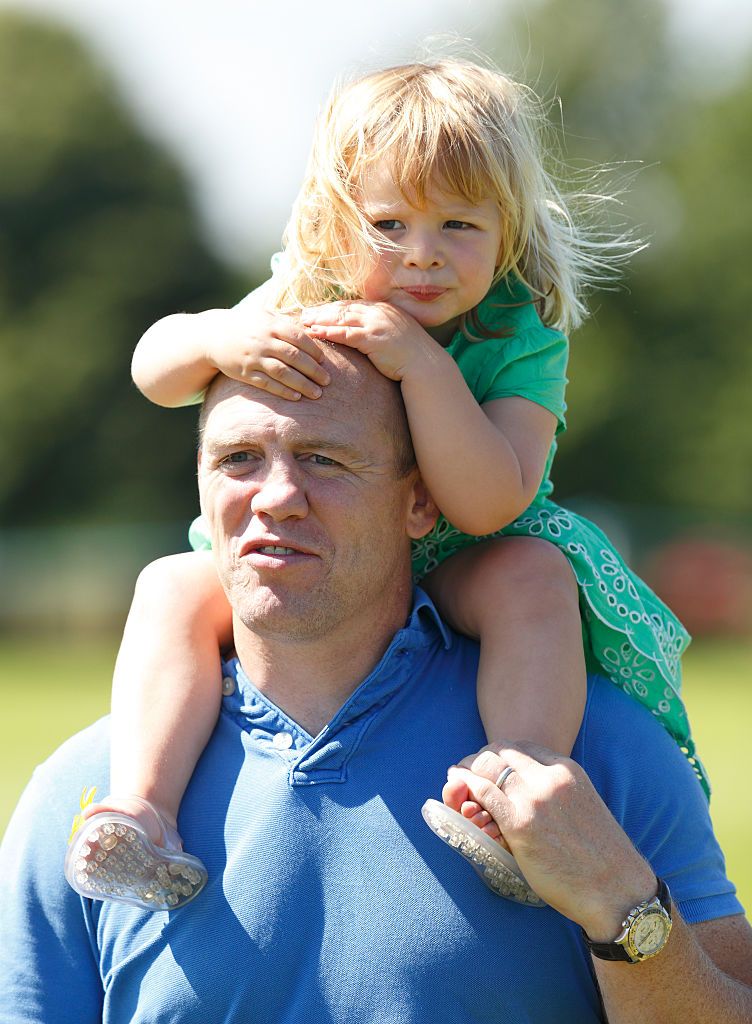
578,859
685,982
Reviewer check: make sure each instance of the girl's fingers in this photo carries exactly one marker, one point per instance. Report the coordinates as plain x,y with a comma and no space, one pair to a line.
337,334
263,382
331,313
301,360
297,339
288,377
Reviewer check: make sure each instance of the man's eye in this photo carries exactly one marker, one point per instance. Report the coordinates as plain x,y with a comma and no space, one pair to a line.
236,460
388,225
317,459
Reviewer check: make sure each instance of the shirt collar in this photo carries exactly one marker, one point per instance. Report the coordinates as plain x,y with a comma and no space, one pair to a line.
424,617
423,628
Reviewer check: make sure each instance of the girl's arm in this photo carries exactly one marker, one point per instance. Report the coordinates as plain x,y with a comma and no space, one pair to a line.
177,358
483,465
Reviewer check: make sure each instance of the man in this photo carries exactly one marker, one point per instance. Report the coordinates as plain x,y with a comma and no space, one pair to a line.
328,898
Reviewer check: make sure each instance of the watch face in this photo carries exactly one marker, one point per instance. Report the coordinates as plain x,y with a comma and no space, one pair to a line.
649,932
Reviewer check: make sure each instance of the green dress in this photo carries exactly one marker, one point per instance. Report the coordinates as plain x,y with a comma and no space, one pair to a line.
630,636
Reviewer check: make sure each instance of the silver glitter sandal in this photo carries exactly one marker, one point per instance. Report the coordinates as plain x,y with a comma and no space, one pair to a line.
495,865
110,857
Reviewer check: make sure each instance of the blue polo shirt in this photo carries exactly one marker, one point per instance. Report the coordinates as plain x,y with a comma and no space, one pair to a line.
329,900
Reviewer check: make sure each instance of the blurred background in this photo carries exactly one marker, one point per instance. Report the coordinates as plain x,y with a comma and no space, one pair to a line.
149,154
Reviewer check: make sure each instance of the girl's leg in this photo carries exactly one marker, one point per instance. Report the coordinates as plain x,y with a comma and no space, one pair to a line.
518,596
167,686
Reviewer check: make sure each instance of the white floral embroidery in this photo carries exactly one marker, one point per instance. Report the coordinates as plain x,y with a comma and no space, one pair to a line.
546,523
633,638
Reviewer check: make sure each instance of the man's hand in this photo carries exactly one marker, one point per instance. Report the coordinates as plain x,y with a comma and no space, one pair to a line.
394,341
268,350
566,841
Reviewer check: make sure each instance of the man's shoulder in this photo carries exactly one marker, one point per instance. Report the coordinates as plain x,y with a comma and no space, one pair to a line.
632,760
86,749
649,786
615,722
611,709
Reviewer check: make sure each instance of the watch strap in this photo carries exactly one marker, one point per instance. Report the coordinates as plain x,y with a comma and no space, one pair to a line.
608,950
616,950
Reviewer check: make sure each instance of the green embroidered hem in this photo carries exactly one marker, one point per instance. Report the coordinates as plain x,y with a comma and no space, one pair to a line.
631,637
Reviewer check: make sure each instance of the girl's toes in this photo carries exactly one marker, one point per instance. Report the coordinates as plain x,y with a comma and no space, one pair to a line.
470,809
493,831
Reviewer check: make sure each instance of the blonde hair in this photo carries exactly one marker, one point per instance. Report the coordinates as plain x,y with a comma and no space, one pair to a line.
480,134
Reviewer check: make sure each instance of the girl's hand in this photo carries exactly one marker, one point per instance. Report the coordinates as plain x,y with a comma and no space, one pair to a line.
394,341
269,350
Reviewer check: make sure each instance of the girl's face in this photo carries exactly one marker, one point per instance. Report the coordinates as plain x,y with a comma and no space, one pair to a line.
449,257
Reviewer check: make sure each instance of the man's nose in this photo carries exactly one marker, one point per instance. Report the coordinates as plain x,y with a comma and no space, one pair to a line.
281,493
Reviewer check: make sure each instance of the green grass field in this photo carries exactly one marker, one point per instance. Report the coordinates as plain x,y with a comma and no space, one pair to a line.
49,691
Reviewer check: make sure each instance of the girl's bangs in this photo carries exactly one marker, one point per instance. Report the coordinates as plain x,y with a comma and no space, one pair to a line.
450,162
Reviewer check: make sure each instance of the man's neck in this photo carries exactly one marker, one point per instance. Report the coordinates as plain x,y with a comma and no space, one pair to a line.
310,679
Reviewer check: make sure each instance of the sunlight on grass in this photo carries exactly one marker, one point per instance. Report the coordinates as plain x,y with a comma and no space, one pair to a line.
48,692
717,688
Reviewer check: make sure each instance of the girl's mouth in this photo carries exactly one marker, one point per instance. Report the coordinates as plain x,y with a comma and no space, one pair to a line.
424,293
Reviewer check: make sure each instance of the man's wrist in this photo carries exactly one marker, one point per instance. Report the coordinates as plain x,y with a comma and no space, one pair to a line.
644,931
605,921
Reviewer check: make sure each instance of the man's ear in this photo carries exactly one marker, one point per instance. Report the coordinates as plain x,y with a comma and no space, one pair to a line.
199,455
422,511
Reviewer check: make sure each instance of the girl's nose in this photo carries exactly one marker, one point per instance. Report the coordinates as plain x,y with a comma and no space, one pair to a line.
280,494
424,252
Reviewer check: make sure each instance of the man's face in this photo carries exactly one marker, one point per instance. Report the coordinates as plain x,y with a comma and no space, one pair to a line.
309,519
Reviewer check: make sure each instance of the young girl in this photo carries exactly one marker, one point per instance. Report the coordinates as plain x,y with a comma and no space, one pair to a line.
428,235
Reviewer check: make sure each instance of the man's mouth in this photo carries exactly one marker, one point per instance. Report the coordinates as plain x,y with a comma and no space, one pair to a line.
273,549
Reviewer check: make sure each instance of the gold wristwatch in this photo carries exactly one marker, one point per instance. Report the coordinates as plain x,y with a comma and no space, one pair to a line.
645,931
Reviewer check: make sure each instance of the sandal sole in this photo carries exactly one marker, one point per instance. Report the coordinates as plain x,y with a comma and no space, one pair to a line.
112,858
495,865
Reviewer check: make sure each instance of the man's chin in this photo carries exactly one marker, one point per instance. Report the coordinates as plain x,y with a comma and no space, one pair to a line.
288,615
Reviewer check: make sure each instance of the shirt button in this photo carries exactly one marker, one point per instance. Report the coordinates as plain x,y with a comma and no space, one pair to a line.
228,686
282,740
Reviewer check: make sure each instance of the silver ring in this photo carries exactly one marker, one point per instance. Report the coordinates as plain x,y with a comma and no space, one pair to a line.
503,777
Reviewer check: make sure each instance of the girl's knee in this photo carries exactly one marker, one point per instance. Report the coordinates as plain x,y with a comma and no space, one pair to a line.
169,580
530,564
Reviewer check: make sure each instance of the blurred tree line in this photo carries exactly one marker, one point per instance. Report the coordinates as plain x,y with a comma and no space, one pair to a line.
661,375
98,239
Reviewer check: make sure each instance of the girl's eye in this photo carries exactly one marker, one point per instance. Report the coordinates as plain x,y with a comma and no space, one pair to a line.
457,224
388,225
